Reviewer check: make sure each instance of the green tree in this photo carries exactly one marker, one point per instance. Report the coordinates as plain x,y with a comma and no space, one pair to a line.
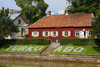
6,25
96,26
84,6
32,9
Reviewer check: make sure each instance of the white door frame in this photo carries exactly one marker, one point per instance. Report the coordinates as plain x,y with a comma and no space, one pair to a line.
83,34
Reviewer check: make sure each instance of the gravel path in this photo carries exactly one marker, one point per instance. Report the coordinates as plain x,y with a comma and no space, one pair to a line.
51,47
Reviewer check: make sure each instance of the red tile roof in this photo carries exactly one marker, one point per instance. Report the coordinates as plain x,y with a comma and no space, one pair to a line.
75,20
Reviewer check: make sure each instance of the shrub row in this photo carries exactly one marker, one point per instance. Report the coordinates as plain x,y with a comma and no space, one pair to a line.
80,41
39,41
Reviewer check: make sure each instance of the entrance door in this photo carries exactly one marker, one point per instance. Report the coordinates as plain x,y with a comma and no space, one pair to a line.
22,30
83,34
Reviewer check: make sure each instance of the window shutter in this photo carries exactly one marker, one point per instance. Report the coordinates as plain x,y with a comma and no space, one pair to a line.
43,34
63,33
88,32
32,33
86,35
56,33
37,34
48,33
51,33
69,33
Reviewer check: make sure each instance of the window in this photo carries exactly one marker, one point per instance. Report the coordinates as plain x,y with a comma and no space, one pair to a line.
76,33
66,33
54,33
35,34
46,33
89,33
19,21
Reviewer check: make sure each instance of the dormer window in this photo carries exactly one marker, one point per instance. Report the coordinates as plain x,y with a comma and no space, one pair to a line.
19,21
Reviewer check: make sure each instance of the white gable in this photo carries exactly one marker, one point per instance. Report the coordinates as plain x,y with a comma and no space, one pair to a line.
16,21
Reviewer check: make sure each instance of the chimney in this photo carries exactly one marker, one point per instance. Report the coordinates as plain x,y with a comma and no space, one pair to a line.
48,13
11,11
2,8
67,12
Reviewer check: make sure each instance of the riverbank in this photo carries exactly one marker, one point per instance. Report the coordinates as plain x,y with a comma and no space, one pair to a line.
47,55
30,63
52,57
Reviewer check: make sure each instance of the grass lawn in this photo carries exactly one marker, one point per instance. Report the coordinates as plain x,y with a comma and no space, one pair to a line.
71,49
23,48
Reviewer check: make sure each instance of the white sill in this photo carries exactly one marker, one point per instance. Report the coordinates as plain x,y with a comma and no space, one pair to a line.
54,36
65,36
35,36
76,36
46,36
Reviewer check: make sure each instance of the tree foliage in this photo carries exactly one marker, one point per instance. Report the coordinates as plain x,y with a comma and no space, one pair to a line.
84,6
6,25
32,9
96,26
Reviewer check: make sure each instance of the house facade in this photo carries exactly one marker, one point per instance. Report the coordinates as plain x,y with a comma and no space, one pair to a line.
55,27
19,19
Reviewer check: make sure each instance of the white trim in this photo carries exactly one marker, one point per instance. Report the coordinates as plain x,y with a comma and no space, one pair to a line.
32,33
48,33
83,29
52,33
69,33
44,33
88,33
56,33
35,35
75,33
63,33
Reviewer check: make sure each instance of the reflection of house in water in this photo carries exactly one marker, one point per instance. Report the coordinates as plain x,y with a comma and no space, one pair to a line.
22,23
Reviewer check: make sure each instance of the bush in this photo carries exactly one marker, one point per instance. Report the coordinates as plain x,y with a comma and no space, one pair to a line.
79,41
35,41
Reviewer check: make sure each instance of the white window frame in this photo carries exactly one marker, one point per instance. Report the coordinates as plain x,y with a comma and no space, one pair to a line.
76,32
53,34
45,32
19,21
34,33
89,33
63,33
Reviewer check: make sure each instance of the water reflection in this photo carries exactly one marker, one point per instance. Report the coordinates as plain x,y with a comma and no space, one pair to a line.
25,63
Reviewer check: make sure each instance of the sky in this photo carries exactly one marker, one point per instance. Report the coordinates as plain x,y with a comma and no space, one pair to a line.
54,5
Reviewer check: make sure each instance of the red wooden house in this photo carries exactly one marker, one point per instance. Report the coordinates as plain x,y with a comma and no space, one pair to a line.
55,27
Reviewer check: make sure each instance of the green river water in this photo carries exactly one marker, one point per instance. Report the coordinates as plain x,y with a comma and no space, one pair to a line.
28,63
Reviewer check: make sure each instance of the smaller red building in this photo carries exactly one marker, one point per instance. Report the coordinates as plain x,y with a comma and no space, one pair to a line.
55,27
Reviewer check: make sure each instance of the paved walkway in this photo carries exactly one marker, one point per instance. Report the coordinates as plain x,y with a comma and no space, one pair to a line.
50,48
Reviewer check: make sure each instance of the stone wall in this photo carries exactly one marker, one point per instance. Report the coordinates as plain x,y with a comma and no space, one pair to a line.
79,58
51,57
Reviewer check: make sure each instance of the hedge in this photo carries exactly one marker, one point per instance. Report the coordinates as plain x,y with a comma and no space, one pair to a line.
38,41
78,41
